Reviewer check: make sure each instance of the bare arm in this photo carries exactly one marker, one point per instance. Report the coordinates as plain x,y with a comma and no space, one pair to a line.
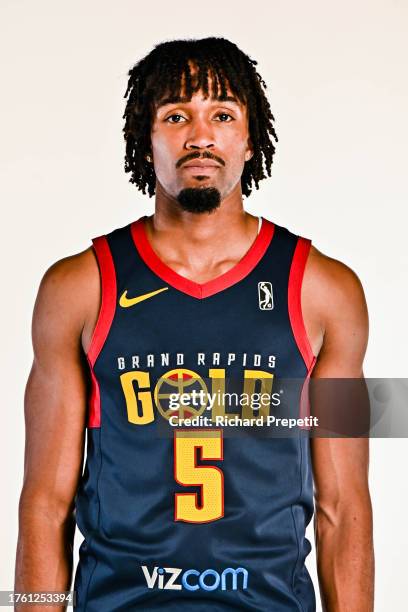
343,519
55,413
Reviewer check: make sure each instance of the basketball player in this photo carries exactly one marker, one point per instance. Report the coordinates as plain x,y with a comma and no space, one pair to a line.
172,305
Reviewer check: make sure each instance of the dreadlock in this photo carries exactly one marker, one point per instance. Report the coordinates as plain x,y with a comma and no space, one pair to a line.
167,71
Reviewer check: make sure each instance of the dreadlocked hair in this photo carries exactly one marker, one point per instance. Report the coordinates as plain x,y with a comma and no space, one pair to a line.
185,67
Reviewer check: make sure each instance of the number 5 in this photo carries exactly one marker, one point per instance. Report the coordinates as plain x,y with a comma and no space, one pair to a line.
187,473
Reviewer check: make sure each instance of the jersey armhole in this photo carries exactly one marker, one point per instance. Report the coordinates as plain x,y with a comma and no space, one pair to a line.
294,301
108,297
103,322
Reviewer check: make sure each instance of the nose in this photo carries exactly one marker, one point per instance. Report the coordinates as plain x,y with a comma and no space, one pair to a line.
200,136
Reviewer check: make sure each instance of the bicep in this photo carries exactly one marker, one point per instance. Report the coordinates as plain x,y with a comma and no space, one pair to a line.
342,309
55,397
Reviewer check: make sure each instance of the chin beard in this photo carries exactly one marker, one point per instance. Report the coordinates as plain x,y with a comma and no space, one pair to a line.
199,199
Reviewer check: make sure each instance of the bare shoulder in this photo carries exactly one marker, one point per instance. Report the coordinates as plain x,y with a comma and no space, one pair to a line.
333,298
332,278
68,297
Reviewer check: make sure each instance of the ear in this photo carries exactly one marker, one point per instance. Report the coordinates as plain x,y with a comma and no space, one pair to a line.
249,153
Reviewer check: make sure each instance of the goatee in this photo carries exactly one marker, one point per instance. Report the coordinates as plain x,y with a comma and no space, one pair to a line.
199,200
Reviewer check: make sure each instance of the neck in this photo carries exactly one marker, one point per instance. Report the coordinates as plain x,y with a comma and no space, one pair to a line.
229,217
199,245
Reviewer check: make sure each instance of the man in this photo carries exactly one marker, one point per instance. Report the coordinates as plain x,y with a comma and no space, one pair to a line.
167,311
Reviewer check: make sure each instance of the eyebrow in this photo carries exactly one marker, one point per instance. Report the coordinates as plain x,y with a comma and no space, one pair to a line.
185,100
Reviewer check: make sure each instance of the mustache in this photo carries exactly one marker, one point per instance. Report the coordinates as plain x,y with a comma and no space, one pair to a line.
198,155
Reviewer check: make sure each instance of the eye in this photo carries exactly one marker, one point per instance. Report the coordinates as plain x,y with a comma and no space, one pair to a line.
225,117
175,118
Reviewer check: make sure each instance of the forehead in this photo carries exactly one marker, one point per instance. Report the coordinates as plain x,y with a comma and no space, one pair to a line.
203,82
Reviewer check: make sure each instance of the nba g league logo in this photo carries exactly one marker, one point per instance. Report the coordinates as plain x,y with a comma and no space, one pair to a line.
265,295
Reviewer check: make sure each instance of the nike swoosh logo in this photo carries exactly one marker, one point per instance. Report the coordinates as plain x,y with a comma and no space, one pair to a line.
125,302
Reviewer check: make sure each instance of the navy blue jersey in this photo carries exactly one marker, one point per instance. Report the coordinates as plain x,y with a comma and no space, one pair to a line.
177,513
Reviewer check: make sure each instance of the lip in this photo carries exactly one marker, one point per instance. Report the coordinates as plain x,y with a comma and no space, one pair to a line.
201,164
200,170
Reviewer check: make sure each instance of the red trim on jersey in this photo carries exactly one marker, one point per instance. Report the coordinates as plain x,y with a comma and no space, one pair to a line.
94,418
294,300
304,407
104,322
296,318
202,290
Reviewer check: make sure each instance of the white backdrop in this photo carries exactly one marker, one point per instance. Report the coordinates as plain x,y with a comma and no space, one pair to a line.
338,87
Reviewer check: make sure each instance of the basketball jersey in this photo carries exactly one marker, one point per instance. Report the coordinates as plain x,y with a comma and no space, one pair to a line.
180,512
